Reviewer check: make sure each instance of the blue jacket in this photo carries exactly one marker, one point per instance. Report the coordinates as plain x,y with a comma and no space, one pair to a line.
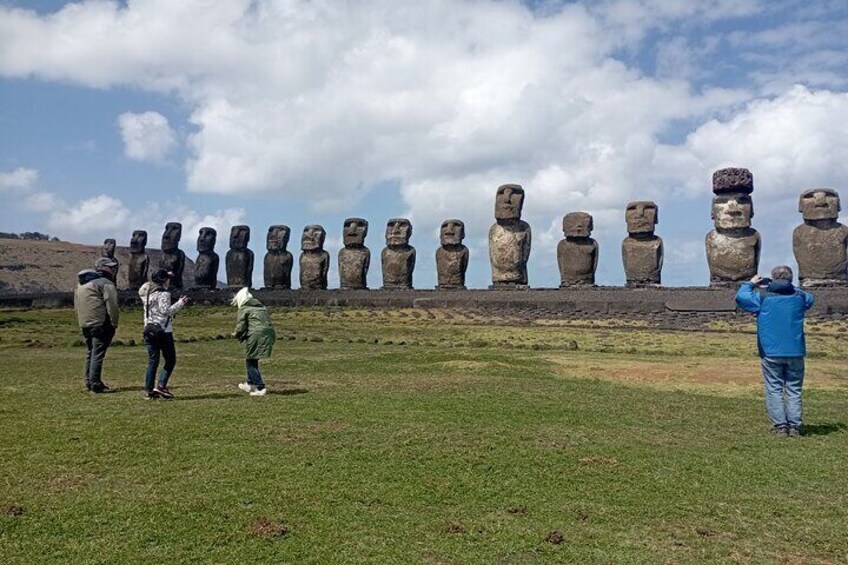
780,317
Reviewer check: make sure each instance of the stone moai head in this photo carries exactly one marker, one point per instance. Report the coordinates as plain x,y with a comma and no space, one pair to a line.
206,239
398,232
239,237
732,206
354,232
641,217
577,224
278,238
452,232
819,204
509,201
138,241
108,249
313,238
171,237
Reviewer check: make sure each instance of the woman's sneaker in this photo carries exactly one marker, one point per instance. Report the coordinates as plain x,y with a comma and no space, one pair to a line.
163,392
259,392
150,395
246,387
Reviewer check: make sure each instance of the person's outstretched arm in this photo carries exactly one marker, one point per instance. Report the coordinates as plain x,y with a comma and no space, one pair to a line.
747,298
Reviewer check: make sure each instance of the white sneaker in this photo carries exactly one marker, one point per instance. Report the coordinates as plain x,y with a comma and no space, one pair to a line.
262,392
246,387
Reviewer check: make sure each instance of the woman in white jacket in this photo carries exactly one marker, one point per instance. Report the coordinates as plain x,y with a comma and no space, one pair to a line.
159,311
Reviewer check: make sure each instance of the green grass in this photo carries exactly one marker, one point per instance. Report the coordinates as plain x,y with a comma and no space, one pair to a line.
460,441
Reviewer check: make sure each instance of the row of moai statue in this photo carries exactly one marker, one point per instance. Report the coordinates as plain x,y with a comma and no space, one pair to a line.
733,248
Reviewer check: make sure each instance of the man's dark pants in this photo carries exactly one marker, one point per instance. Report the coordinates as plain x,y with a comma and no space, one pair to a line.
97,341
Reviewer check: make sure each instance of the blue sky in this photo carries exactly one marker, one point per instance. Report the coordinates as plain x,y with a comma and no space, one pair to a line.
117,116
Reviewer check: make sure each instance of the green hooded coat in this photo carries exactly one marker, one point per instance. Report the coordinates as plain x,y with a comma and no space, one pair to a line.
254,329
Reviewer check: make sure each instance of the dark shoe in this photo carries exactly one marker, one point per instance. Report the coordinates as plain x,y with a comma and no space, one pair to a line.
88,386
794,432
102,388
780,431
150,394
163,392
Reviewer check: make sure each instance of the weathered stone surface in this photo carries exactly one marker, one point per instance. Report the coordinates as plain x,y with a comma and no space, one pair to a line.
108,250
354,258
173,258
642,250
398,257
314,261
207,263
577,254
509,239
820,244
733,247
733,179
239,258
278,260
139,260
452,256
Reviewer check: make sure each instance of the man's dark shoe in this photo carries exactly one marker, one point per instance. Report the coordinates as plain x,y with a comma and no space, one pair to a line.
780,431
794,432
101,389
150,395
163,392
88,386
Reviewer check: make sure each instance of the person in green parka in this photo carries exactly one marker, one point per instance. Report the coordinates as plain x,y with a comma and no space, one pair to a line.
255,331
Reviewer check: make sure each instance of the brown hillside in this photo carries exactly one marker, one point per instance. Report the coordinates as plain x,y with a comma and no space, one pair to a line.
52,266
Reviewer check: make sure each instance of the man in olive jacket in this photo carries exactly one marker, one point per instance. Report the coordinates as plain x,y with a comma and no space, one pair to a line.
96,305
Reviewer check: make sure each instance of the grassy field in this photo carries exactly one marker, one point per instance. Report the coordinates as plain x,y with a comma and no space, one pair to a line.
414,436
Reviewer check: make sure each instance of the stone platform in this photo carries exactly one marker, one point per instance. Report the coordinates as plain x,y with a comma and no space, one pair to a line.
607,302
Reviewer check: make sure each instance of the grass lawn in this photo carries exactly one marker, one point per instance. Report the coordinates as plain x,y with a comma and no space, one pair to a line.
413,436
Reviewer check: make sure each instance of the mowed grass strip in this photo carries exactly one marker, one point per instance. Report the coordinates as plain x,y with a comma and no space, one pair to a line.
423,452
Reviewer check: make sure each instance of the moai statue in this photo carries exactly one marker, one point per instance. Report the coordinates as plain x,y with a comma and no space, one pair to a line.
108,250
314,261
354,258
641,250
278,260
139,260
733,247
821,242
577,254
239,259
452,256
173,258
206,265
398,257
509,239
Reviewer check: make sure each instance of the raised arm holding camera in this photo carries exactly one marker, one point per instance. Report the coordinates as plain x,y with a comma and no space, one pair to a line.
780,309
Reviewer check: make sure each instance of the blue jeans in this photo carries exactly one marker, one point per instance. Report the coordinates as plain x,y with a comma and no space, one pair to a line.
164,346
253,376
783,377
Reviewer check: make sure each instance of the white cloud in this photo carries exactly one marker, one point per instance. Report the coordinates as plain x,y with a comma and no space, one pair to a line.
147,136
21,178
43,202
95,214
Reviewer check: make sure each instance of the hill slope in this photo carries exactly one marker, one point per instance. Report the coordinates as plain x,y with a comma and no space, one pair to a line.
51,266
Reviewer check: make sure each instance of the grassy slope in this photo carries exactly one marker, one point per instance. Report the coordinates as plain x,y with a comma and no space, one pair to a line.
468,443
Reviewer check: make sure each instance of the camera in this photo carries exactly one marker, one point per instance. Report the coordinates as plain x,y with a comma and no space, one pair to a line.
765,281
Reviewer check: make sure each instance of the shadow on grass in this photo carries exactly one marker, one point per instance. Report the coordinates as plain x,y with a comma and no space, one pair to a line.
289,391
824,429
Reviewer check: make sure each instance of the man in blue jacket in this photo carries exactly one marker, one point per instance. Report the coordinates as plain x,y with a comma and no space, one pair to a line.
780,312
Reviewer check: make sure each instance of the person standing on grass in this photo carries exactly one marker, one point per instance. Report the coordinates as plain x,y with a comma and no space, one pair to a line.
255,331
780,310
159,311
96,306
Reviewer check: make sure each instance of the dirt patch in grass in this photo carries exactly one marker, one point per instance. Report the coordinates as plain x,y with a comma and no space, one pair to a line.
70,482
13,510
555,537
717,375
598,460
454,528
266,528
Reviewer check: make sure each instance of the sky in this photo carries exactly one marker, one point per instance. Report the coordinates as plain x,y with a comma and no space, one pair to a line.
116,116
